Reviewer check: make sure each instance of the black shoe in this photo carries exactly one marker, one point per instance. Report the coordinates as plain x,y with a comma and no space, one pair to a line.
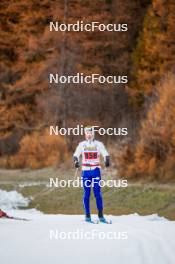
100,214
88,219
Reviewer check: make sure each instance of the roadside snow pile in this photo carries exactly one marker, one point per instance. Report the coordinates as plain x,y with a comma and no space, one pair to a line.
12,200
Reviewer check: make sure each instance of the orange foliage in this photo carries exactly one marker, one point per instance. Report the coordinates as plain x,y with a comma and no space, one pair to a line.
154,154
154,55
39,150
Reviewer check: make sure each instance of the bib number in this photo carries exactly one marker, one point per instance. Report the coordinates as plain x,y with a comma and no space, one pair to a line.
90,155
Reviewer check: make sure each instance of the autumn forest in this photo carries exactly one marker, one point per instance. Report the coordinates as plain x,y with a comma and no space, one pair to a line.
29,52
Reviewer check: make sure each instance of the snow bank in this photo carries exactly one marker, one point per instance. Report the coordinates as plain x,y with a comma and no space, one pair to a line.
12,199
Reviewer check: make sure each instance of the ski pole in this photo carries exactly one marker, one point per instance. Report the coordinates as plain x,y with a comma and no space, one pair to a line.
104,173
76,172
107,174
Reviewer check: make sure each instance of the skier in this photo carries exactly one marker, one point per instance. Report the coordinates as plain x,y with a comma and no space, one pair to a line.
90,150
3,214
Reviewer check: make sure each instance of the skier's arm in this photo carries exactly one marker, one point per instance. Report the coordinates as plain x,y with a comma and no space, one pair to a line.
76,156
105,154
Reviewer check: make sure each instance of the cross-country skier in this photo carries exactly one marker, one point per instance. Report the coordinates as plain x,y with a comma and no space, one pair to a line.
90,151
2,214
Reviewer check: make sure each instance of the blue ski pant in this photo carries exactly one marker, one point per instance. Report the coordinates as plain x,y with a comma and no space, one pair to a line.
92,177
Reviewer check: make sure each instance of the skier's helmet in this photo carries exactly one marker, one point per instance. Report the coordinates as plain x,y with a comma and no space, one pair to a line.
89,132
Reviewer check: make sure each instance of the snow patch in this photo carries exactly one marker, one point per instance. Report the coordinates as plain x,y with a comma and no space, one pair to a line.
12,200
33,183
30,242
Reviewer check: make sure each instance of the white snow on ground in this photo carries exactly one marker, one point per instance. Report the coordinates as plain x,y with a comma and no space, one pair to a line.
33,183
12,199
138,240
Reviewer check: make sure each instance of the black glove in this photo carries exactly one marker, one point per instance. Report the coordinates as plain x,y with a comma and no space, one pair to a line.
76,162
107,161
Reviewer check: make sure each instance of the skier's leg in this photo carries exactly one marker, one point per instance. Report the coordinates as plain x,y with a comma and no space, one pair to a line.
87,191
97,191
